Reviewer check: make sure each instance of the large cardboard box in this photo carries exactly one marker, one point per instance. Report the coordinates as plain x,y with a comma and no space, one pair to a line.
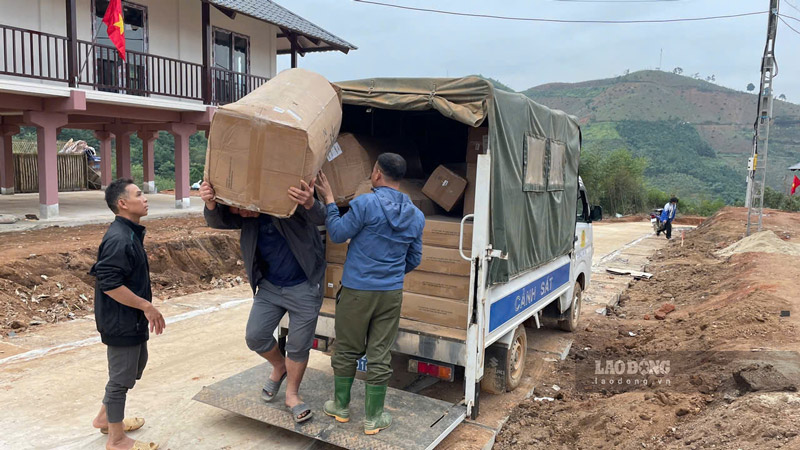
442,231
445,187
437,285
442,260
333,279
469,194
477,143
410,187
272,138
335,253
435,310
347,165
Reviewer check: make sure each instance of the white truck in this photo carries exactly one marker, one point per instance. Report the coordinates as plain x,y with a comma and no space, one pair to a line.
531,251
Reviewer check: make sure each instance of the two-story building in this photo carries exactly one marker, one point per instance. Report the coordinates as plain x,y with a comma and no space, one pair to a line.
58,69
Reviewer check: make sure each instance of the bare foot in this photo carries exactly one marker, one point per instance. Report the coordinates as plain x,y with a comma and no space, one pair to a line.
293,400
124,443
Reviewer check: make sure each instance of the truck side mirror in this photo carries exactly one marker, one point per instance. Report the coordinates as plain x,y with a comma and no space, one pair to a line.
597,213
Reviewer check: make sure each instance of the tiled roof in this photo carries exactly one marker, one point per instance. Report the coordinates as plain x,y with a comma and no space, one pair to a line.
273,13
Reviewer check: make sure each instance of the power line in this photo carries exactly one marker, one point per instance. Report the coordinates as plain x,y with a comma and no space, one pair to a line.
787,24
617,1
795,7
538,19
789,17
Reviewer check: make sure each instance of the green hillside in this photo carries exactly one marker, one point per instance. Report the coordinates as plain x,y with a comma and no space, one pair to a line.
695,135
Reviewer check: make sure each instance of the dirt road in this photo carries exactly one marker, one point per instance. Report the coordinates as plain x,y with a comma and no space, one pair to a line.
52,375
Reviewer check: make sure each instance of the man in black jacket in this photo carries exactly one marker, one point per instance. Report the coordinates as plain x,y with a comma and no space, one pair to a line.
285,262
123,309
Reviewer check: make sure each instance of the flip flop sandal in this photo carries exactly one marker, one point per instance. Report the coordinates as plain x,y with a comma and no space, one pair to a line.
271,388
299,409
129,424
139,445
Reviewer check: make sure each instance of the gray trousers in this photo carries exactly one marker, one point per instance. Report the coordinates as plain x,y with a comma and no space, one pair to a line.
125,366
270,303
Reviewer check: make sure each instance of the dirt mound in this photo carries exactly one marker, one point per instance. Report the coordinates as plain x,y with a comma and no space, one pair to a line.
46,276
730,338
763,241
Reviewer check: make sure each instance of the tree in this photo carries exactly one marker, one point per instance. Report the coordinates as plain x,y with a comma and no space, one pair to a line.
677,70
696,75
782,97
751,87
711,78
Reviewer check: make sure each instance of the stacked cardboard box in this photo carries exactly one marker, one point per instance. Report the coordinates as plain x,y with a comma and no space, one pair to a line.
438,290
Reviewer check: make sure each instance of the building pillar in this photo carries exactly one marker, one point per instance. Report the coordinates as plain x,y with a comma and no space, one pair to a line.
182,132
47,125
122,138
148,149
105,158
7,159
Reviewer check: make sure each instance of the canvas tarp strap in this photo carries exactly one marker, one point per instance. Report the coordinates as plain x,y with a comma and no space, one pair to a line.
534,151
462,99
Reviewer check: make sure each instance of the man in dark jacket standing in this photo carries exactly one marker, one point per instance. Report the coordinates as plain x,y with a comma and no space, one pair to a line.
123,309
385,232
285,262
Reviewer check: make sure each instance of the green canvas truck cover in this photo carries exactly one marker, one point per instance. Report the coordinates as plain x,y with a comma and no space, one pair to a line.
534,154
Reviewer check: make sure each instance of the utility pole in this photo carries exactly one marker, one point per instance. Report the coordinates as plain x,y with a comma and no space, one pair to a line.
757,165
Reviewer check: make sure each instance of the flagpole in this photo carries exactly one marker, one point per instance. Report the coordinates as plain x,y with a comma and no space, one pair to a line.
91,49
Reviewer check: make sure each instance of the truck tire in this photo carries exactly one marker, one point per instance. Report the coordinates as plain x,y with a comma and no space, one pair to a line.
504,367
574,312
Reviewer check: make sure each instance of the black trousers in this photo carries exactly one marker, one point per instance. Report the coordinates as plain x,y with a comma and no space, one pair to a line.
668,229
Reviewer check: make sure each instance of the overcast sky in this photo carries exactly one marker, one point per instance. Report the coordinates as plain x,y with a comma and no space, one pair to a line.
394,42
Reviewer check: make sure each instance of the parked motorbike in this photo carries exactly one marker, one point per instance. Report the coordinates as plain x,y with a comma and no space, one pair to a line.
655,220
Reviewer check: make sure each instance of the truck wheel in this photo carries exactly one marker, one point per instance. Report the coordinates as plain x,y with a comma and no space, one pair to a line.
574,311
504,367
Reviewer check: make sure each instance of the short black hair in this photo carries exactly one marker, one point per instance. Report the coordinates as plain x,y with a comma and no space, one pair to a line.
392,165
673,200
114,191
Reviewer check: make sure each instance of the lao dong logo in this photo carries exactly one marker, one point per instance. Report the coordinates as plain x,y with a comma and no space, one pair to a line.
642,368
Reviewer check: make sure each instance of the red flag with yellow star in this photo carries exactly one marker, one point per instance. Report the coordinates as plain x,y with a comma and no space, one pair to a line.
116,26
795,184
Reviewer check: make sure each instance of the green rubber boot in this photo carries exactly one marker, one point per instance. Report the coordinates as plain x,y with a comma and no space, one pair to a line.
339,407
376,418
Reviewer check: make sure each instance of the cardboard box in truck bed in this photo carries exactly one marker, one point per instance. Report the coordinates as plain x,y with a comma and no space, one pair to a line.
272,138
445,187
477,143
347,165
442,260
435,310
335,253
418,282
441,231
410,187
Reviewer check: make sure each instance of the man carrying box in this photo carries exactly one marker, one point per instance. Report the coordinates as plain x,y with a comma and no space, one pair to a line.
385,232
285,263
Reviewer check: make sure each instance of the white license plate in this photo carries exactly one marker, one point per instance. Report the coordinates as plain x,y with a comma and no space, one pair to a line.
652,220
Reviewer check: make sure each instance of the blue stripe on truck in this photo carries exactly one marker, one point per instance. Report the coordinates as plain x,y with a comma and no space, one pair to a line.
523,299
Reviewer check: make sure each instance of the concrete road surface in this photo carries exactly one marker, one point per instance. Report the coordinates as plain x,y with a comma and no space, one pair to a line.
52,379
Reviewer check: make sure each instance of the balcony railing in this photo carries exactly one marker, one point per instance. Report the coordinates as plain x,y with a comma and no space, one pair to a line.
43,56
33,54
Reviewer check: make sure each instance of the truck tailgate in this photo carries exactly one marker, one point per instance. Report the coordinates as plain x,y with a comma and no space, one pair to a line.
419,422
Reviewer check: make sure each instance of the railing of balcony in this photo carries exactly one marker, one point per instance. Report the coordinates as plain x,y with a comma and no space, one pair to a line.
139,74
33,54
44,56
229,86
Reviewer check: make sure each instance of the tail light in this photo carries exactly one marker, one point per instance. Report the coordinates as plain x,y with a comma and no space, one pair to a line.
437,370
320,343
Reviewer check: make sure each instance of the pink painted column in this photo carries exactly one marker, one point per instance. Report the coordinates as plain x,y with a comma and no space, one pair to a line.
7,159
105,158
123,151
148,138
47,125
182,132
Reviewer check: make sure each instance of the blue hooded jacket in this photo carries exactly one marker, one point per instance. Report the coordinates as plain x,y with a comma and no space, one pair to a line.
385,232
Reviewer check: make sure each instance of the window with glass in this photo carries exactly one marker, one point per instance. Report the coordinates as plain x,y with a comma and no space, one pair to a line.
231,59
110,73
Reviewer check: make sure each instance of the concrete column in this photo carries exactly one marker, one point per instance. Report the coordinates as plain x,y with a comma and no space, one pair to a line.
105,158
182,132
7,159
148,147
47,125
123,150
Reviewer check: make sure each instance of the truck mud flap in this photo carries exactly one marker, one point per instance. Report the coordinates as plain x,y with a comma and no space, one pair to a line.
418,422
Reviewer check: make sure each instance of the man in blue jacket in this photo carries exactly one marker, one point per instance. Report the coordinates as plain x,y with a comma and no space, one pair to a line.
385,232
667,216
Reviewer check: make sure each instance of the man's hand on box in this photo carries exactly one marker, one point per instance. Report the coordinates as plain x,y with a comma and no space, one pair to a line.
208,195
304,195
324,188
